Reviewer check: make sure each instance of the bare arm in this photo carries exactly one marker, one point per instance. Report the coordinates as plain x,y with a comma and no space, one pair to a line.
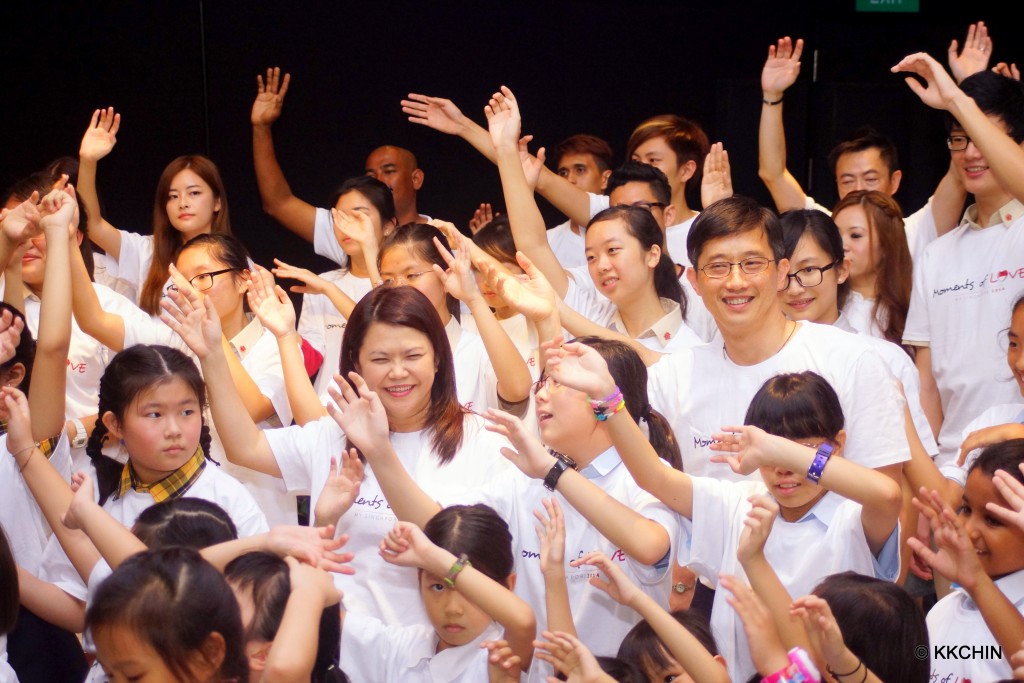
98,141
50,603
780,72
931,403
105,327
948,202
278,200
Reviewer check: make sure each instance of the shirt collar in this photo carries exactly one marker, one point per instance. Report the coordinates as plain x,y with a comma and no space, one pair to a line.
1009,213
174,485
664,329
449,664
1011,585
602,464
824,510
243,342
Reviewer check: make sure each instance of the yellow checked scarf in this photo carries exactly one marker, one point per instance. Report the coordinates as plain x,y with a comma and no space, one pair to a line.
174,485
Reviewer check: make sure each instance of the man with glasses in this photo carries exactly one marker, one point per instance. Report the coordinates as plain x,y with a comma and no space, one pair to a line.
968,280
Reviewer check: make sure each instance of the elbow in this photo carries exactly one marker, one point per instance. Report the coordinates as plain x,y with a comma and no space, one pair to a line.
891,498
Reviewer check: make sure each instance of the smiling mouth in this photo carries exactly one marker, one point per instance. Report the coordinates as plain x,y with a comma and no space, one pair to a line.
399,390
542,417
738,300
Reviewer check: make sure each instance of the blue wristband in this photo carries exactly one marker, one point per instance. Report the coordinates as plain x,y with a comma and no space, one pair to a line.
819,462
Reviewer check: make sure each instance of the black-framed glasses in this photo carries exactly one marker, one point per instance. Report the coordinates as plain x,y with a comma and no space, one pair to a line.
204,281
749,266
957,143
811,276
407,279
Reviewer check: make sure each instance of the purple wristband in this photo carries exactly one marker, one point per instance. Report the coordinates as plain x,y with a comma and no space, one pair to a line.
819,462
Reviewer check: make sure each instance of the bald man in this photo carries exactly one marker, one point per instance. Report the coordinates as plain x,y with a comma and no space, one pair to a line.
394,166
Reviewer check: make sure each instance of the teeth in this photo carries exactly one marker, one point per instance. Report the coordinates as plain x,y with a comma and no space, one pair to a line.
739,300
399,389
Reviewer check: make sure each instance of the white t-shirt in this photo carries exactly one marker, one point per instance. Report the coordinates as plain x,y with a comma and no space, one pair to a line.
996,415
323,325
126,274
955,621
374,651
569,247
600,621
379,589
906,372
858,312
964,288
20,515
213,485
827,540
700,390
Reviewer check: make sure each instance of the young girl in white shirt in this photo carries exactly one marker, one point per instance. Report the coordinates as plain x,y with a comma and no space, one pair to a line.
190,201
881,269
465,567
394,345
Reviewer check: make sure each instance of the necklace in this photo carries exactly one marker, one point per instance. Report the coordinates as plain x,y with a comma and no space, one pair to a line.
785,341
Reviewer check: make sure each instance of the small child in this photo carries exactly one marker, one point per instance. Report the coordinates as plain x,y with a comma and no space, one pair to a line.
464,554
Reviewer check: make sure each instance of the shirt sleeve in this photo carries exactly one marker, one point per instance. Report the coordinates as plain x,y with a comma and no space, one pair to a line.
917,331
874,409
718,503
324,242
296,447
598,203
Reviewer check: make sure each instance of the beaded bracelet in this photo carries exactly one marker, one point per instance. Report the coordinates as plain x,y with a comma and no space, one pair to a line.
459,565
606,407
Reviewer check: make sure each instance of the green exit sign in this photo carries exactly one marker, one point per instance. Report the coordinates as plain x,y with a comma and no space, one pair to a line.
888,5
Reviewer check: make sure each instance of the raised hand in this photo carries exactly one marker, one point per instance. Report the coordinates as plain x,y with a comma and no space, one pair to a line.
458,280
269,97
822,629
305,575
83,497
531,294
355,226
618,585
717,181
551,532
939,88
504,666
1012,492
19,424
957,558
743,448
191,316
270,303
481,217
532,165
434,112
101,135
406,546
1007,70
503,119
10,335
980,438
311,282
360,415
531,457
579,367
22,222
571,657
781,68
315,546
975,55
766,648
756,528
341,488
59,211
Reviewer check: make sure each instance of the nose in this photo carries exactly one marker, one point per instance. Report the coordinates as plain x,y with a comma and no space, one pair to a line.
172,426
452,603
398,370
736,276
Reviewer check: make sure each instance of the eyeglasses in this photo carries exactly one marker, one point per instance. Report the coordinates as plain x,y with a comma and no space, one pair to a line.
957,143
407,279
811,276
749,266
546,382
204,281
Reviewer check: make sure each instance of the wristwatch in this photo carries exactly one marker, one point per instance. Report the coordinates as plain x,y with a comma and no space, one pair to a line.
681,587
81,437
562,463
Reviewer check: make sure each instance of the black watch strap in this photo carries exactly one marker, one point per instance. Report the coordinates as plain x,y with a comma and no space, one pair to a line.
562,463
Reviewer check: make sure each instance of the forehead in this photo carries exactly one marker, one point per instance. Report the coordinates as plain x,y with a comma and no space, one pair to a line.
576,158
173,391
403,257
614,229
384,337
808,249
858,163
737,246
852,216
188,178
387,156
632,192
655,146
353,200
199,259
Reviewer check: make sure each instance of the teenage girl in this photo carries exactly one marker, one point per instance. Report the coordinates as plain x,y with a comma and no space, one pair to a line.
396,343
464,562
628,263
605,509
190,201
881,270
168,615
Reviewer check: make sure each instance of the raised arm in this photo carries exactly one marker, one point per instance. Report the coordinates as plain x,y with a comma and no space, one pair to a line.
198,324
314,284
780,72
98,141
1004,156
975,55
716,183
105,327
278,200
525,219
114,541
551,534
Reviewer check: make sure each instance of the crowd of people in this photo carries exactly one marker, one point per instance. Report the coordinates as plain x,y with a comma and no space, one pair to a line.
680,436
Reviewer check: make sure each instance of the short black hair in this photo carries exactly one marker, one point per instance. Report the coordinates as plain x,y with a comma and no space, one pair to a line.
998,96
636,172
862,139
734,216
586,144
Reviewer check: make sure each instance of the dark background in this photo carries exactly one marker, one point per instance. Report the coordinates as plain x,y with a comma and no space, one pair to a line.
183,76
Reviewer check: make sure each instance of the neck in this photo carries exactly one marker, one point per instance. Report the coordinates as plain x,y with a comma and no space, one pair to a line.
186,236
829,317
866,286
357,265
411,423
757,343
795,514
233,323
597,444
641,312
683,210
408,214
